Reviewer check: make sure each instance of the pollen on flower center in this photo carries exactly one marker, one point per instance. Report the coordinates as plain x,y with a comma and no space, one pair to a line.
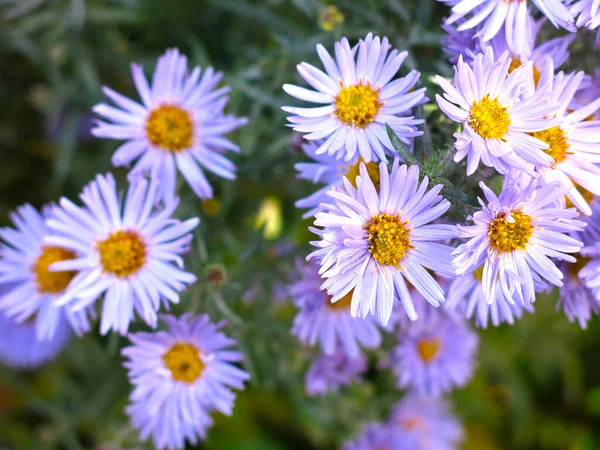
52,282
428,348
489,118
183,360
388,236
556,138
342,304
372,169
516,63
508,236
170,127
357,105
123,253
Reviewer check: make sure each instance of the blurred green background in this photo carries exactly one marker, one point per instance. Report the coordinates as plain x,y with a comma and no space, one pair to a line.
538,382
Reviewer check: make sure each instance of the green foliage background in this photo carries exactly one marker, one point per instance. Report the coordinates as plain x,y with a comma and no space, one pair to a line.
537,384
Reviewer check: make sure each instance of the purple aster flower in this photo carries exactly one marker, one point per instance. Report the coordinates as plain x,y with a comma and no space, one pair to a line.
434,354
181,376
492,15
428,421
456,43
514,236
587,13
330,372
372,241
486,100
126,250
574,143
19,343
466,295
590,274
588,91
326,323
381,437
33,290
179,125
576,299
358,98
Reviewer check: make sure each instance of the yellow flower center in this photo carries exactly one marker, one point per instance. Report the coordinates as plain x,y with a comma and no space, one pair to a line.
587,195
556,138
478,273
52,282
170,127
489,118
516,63
357,105
428,348
342,304
123,253
576,267
389,238
183,360
506,236
372,170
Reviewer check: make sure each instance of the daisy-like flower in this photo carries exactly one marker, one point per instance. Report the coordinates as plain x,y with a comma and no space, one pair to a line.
372,241
466,294
456,43
358,98
181,376
328,170
330,372
491,15
434,355
378,437
179,125
427,420
326,323
125,249
21,347
576,299
574,144
514,236
587,13
34,289
486,100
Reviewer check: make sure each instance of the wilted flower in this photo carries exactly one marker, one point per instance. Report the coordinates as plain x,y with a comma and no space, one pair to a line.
328,373
359,98
125,249
181,376
427,421
31,291
372,241
514,236
179,125
329,324
486,100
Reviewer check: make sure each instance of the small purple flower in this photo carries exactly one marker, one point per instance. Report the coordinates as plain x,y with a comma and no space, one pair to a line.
486,98
180,377
434,354
358,99
590,274
372,241
330,372
179,125
428,421
381,437
326,323
514,236
587,13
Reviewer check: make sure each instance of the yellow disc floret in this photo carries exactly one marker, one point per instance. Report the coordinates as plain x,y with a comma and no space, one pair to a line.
556,138
52,282
170,127
388,236
372,170
516,63
342,304
428,348
489,119
183,360
123,253
508,236
357,105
